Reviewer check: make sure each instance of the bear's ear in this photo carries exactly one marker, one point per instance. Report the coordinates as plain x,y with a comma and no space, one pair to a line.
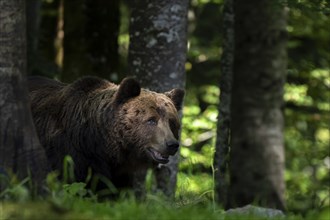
176,95
128,88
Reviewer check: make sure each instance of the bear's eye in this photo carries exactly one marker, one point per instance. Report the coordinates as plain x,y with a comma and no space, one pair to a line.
152,121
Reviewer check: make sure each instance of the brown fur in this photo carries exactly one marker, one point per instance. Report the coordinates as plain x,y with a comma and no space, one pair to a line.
115,130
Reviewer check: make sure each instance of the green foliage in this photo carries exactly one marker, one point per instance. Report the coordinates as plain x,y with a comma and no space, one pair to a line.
198,133
74,201
307,97
307,121
15,190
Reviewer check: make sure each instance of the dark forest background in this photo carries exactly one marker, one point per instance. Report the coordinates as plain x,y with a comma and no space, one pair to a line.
95,41
73,50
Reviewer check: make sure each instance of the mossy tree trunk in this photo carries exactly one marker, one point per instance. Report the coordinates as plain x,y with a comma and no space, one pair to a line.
20,150
257,149
91,29
157,55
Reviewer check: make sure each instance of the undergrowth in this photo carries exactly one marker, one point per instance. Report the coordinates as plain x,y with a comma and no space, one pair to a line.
75,201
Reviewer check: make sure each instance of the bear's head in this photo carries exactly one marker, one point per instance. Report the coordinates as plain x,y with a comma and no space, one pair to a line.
148,122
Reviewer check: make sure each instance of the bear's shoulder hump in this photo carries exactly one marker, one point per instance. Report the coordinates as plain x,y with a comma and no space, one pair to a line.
90,83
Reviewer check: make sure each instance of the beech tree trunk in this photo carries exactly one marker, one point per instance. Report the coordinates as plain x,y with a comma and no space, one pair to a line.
20,150
157,56
257,149
223,127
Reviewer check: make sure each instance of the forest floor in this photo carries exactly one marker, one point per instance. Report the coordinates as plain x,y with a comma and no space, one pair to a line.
127,209
73,201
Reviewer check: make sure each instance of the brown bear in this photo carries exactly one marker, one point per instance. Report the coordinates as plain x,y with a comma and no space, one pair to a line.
113,130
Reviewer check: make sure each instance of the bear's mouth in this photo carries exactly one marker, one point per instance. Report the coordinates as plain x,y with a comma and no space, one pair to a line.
158,157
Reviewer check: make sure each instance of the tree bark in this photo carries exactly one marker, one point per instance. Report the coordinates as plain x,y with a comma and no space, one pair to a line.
91,29
223,126
257,149
20,150
157,55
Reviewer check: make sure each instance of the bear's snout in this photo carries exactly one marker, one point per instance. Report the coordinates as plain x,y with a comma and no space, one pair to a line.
172,147
161,153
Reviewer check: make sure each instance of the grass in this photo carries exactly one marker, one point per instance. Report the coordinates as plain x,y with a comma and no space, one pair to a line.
73,201
126,209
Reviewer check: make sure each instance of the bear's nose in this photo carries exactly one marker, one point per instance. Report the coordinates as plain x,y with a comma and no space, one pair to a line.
172,145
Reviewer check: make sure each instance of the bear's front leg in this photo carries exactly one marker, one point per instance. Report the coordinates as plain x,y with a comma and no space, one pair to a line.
139,180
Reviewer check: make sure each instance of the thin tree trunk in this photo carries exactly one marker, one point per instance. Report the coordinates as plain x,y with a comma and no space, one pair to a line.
49,15
20,150
157,55
41,31
223,126
257,149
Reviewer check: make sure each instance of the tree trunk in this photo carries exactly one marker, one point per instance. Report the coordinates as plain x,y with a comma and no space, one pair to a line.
157,55
20,150
223,126
91,29
257,149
